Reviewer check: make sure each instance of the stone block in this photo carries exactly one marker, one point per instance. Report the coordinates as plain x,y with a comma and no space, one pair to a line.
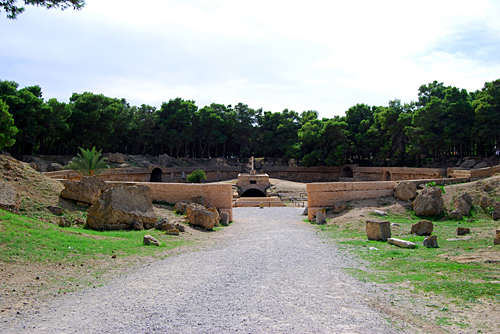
321,216
463,230
423,227
431,241
401,243
378,230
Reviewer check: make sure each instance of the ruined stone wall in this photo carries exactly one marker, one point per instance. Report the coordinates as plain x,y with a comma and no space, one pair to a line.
321,195
217,194
396,173
304,174
473,174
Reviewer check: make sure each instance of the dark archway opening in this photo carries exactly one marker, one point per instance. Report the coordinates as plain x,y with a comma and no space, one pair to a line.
347,172
387,176
253,193
156,175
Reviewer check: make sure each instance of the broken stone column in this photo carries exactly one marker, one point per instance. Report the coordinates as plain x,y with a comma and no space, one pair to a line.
378,230
401,243
431,241
321,216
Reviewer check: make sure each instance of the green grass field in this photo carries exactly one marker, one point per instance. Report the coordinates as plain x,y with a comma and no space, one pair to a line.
427,270
27,240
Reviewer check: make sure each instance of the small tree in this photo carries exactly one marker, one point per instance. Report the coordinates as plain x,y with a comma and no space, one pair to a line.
88,162
197,176
7,128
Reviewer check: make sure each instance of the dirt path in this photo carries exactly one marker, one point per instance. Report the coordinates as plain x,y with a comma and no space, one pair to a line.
268,272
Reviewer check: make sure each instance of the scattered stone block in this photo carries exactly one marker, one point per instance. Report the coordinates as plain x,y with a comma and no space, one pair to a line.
405,191
167,227
9,198
224,219
198,215
321,216
64,222
160,222
150,240
172,232
463,230
401,243
423,227
496,241
55,210
79,221
380,213
378,230
495,215
431,241
181,207
138,225
180,227
429,202
216,215
455,214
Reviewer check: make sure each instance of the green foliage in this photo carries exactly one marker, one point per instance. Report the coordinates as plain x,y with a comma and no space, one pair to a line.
196,177
88,162
7,128
433,184
13,11
446,122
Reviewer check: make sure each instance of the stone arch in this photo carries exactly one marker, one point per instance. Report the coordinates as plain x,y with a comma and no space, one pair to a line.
387,176
252,192
347,172
156,174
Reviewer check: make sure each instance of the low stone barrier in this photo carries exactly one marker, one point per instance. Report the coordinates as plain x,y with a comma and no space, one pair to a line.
217,194
322,195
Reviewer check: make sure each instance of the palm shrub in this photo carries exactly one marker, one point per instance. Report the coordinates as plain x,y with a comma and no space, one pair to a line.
196,177
88,162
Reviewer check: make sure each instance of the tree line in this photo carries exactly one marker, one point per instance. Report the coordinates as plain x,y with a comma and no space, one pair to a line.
445,122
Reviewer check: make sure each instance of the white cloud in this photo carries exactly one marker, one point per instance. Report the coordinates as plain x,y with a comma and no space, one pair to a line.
323,55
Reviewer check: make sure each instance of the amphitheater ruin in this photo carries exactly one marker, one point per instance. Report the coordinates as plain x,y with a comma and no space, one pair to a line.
326,186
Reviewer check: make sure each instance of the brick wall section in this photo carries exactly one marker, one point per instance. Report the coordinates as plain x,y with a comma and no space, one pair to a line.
321,195
218,194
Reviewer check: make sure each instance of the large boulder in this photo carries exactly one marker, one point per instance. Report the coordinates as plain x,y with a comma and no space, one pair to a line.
9,198
115,157
405,191
429,202
198,215
87,190
181,207
121,208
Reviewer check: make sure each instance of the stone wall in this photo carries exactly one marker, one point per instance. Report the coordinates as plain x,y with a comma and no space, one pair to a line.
396,173
321,195
217,194
473,174
303,174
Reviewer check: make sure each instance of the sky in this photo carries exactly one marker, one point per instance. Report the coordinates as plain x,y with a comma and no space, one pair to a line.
298,55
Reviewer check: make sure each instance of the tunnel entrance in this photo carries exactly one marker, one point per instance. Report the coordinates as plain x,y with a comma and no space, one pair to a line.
347,172
253,193
156,175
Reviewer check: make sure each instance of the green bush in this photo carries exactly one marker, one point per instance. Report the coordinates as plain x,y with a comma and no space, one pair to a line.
197,176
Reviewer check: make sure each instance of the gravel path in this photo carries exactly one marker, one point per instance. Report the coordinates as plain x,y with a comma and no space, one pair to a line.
269,273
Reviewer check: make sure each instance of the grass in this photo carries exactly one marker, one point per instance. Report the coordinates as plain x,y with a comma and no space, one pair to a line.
27,240
427,270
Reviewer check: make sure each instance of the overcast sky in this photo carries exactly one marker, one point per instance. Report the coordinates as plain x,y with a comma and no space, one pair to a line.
300,55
